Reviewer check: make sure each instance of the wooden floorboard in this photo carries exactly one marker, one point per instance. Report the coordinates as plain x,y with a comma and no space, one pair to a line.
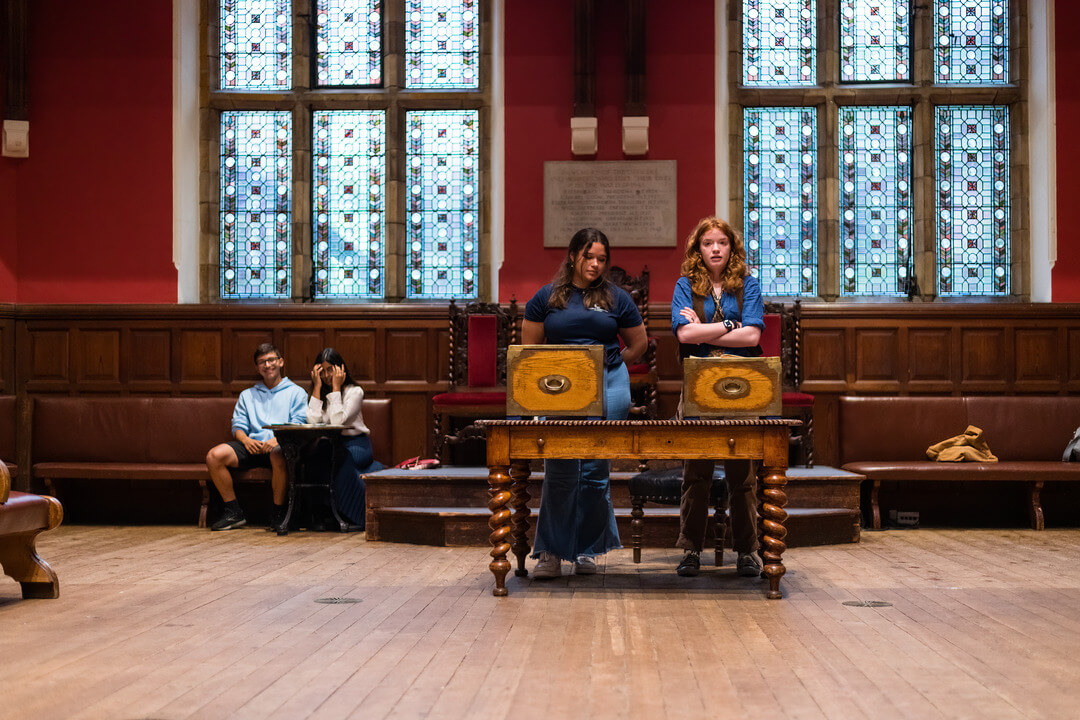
176,622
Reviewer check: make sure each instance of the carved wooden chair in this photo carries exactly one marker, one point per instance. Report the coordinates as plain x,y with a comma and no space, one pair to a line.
782,339
643,375
479,336
664,487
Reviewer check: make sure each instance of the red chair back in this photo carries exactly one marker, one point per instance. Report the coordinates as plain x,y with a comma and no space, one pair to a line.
483,352
770,336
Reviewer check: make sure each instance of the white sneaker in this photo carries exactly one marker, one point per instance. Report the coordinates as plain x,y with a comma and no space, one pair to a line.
547,567
585,565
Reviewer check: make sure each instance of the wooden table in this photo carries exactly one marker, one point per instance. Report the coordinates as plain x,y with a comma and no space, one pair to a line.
293,439
511,444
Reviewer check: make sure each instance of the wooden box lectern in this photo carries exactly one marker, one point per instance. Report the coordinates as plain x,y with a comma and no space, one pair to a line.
731,387
556,380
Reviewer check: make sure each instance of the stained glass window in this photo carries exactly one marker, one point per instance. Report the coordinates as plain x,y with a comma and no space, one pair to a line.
256,44
780,198
875,200
875,40
348,203
972,41
255,203
348,34
442,185
972,172
442,48
779,42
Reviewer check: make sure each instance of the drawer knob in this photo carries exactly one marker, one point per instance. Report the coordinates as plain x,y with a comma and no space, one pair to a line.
540,443
731,443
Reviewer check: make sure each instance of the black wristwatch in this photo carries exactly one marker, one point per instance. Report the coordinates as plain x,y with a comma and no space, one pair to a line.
729,325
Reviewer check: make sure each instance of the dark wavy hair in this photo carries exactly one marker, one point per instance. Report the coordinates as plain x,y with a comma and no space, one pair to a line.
693,265
332,356
599,293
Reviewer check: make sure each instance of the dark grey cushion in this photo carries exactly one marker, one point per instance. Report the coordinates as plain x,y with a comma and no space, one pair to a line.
665,486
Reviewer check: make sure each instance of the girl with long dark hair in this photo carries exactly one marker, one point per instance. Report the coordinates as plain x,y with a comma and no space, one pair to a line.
336,399
581,307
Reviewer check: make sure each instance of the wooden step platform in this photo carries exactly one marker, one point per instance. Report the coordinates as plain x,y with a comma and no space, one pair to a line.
448,507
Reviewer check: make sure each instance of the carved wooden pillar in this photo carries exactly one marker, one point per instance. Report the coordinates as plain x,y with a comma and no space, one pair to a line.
584,58
634,105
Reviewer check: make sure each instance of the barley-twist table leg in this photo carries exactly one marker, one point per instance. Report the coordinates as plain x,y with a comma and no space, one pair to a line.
499,489
519,471
772,501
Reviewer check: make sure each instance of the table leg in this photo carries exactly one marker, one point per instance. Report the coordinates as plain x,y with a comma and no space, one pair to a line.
499,489
291,453
772,499
519,490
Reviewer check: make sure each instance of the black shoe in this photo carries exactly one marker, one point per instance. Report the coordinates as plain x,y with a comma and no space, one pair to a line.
690,565
230,520
277,521
748,565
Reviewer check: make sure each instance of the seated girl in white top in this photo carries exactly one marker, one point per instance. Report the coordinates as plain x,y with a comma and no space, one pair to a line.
336,399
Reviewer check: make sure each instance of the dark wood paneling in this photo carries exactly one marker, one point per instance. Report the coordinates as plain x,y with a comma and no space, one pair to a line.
358,349
7,349
406,354
200,360
97,356
929,360
877,354
823,356
300,348
984,365
1038,361
49,357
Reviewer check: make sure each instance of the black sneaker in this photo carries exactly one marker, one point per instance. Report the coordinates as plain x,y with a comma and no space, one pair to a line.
690,565
748,565
230,520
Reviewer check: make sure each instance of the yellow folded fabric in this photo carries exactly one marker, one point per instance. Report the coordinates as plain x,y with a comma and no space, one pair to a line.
968,447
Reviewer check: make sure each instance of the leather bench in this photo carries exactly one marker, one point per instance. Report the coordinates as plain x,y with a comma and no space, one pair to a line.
149,438
23,517
7,433
885,439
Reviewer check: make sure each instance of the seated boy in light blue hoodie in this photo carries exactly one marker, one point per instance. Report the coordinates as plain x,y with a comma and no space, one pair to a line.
275,400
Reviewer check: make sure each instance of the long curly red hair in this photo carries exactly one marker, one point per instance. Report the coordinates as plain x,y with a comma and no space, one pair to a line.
693,265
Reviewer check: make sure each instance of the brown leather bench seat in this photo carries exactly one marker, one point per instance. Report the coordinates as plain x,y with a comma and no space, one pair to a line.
148,438
885,439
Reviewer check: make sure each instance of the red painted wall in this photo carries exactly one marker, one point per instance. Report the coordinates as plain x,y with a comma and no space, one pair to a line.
1066,273
539,98
94,215
9,250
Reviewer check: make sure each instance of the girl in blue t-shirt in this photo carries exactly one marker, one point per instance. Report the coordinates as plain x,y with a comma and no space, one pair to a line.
581,307
716,281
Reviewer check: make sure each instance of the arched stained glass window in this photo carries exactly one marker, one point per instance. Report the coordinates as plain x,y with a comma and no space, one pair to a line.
348,203
442,182
875,41
348,35
971,41
971,145
875,200
780,198
256,44
442,48
779,42
256,204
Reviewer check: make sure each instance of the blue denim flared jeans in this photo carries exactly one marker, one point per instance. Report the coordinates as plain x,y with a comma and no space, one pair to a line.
576,516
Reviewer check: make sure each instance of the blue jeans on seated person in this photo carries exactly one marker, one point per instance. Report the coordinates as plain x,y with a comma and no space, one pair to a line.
576,516
349,490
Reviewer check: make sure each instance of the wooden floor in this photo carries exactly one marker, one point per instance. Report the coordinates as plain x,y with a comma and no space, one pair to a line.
173,622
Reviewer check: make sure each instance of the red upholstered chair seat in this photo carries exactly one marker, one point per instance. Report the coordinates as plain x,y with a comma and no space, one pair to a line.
466,398
797,399
638,369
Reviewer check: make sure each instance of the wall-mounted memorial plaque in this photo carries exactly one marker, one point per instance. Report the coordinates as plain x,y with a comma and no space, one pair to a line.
632,202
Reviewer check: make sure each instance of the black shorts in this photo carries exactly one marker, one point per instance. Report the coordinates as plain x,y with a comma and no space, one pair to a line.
245,460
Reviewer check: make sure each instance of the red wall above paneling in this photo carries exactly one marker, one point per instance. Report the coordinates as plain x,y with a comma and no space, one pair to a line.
539,104
1066,273
94,213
